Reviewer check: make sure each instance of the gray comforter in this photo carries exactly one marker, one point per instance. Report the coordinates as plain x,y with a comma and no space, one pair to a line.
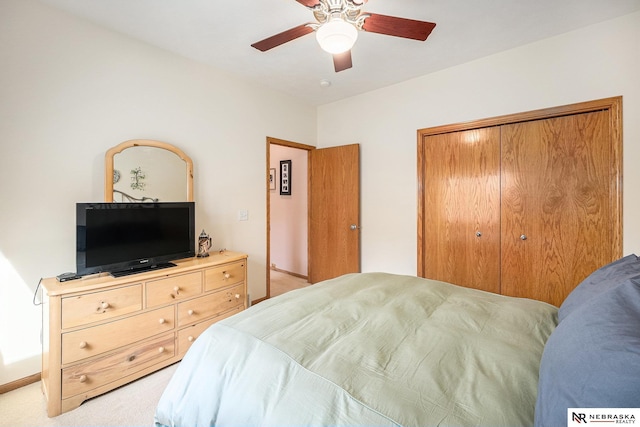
369,349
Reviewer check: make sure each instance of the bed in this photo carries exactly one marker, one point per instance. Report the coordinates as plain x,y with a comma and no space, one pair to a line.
378,349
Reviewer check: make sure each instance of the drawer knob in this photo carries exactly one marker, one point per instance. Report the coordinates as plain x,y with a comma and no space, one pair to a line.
190,338
83,344
190,312
83,378
226,275
105,305
161,350
237,296
161,320
176,288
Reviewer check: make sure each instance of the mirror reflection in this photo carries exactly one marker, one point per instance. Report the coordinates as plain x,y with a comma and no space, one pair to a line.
148,171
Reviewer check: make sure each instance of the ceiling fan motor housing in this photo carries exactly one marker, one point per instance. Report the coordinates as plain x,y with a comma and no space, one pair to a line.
348,10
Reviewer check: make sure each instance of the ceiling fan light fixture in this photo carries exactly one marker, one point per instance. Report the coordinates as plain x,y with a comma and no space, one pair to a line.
336,36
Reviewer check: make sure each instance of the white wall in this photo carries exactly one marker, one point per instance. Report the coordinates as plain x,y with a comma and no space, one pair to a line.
596,62
289,235
69,91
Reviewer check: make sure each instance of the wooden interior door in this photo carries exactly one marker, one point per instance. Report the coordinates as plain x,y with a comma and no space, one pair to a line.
557,200
462,208
334,212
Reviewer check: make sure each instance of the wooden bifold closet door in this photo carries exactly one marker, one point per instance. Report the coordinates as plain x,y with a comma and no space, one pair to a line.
462,196
525,205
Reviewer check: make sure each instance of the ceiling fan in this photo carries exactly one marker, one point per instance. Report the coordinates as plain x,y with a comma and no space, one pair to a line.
337,26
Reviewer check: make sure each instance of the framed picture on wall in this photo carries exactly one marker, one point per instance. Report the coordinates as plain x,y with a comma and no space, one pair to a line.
285,177
272,179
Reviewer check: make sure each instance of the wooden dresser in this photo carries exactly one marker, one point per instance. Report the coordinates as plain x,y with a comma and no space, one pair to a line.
101,332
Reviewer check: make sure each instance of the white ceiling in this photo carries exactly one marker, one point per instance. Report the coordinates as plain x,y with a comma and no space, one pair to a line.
220,32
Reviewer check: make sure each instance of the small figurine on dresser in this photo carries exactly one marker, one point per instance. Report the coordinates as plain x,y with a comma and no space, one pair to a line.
204,244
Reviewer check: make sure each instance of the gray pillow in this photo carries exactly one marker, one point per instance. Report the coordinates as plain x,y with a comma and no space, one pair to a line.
600,281
592,359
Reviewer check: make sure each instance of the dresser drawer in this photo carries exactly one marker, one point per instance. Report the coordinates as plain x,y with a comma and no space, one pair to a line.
94,340
87,376
174,288
198,309
104,305
188,335
225,275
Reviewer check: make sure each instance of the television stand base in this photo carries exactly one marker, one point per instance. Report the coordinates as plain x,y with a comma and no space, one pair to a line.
123,273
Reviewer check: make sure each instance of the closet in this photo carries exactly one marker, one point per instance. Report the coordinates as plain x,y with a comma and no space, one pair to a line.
524,205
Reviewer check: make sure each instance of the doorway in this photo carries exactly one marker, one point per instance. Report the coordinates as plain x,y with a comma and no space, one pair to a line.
333,211
287,214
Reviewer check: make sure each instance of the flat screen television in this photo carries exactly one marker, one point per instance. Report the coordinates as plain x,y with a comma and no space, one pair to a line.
127,238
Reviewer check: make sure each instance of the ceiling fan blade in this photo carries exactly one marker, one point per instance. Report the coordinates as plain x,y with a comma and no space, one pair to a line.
399,27
342,61
309,3
283,37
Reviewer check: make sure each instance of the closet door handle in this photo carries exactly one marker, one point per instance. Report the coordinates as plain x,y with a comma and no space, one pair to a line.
478,234
523,237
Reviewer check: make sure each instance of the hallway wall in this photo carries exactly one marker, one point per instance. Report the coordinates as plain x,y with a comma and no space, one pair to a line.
289,213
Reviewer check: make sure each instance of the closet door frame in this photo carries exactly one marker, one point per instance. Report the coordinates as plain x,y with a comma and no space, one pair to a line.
612,105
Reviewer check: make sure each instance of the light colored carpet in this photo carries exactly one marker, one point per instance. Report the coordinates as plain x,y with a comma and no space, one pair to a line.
282,282
131,405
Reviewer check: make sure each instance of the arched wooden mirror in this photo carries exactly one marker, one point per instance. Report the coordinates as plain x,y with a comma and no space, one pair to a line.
143,170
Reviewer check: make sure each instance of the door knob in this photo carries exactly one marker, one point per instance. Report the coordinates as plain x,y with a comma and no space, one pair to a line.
353,227
478,234
523,237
